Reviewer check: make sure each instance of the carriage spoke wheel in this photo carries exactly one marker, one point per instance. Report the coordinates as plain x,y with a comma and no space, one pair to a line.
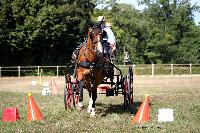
68,92
130,85
75,92
128,89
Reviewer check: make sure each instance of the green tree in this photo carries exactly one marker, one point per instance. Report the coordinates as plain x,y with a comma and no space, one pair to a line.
42,31
170,19
189,49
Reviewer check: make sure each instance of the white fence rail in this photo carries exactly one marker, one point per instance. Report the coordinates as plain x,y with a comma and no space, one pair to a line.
30,70
164,69
139,69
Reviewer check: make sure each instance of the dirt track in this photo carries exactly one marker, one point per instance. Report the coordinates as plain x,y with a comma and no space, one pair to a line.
160,84
142,84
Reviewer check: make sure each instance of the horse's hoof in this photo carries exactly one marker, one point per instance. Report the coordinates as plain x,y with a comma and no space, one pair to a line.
92,115
79,108
89,110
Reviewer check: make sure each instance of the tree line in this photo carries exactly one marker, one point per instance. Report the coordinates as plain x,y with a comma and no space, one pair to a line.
46,32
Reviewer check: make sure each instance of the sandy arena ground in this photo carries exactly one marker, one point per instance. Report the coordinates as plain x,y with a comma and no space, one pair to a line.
142,84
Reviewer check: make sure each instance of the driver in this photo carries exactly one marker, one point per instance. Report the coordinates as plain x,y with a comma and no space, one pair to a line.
109,44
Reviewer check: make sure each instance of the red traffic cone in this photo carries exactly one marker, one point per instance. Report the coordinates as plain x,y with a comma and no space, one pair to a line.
33,110
10,114
54,87
143,114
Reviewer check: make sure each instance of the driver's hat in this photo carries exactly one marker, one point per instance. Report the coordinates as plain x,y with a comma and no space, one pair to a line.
101,18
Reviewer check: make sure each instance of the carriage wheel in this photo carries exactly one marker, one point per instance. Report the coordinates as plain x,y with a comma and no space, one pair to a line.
130,83
128,89
75,92
125,93
68,92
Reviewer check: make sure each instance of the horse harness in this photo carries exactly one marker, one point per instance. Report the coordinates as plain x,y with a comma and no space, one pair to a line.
105,64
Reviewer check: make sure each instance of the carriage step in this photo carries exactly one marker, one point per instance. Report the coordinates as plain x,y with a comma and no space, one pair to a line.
105,89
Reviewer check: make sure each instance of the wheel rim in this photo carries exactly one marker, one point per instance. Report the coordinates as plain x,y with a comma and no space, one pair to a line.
128,90
130,86
125,93
75,94
68,92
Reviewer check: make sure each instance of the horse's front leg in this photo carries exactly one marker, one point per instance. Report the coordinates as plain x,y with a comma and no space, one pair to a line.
89,109
94,97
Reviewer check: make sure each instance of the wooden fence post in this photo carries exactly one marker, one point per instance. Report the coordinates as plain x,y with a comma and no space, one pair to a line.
152,70
18,71
38,71
57,71
172,69
0,71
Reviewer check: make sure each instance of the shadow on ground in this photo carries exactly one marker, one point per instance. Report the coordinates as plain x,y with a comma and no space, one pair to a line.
105,109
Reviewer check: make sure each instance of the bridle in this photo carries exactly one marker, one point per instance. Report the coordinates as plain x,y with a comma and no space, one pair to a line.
96,35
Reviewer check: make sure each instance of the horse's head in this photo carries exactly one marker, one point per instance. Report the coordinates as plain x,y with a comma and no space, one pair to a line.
89,50
96,35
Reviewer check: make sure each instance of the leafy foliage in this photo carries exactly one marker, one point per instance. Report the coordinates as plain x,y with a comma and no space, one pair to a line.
45,32
163,32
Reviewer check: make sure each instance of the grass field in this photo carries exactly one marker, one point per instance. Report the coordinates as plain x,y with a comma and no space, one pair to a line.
182,94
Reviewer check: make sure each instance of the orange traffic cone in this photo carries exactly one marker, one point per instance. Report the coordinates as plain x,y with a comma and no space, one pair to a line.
54,87
143,113
33,110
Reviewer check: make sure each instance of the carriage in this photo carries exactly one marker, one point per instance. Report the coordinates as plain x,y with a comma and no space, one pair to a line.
101,74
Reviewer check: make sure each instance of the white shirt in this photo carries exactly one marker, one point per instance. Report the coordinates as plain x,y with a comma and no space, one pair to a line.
110,36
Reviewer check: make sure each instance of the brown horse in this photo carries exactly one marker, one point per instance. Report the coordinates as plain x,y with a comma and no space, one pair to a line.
91,67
